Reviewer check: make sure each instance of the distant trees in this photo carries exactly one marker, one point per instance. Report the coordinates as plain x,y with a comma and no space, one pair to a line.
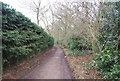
39,10
93,25
96,23
77,19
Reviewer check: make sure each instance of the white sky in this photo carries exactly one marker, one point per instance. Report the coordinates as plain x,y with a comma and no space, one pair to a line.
19,5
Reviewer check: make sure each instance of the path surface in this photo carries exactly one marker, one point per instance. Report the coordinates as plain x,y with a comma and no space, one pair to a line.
54,66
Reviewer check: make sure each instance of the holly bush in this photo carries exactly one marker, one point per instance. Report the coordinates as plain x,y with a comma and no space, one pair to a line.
108,59
108,63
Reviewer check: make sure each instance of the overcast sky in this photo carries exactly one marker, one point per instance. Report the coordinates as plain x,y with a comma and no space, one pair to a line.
19,5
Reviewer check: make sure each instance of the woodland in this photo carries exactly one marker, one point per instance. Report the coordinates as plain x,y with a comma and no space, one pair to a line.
77,26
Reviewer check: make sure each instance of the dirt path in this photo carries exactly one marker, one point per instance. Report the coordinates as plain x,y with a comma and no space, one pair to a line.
54,66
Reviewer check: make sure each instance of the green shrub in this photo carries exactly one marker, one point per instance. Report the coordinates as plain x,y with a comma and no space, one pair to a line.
21,38
108,63
108,60
78,43
77,53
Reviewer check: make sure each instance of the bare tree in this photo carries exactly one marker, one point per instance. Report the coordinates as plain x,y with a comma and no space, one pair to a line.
40,11
78,18
63,20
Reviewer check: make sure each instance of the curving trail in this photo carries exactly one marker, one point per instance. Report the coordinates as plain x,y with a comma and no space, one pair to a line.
53,66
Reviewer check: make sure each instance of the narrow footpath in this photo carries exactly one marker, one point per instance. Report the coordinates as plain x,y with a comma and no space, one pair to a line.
54,66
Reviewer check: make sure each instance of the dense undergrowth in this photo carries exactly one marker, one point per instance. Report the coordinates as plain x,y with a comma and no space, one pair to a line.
78,46
21,39
107,58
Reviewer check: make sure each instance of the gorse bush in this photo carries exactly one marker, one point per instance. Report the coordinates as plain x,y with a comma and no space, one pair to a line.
21,39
